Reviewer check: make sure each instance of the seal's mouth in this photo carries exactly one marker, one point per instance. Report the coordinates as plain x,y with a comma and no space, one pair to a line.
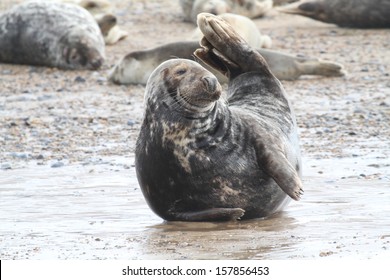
197,103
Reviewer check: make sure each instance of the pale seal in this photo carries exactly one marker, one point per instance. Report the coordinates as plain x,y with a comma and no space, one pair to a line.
51,34
136,67
248,8
344,13
201,157
111,32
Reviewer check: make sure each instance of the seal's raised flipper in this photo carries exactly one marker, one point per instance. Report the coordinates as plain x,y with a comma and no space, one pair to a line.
272,159
210,215
222,45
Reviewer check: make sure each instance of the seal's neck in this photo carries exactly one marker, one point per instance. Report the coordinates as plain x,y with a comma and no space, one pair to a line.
210,128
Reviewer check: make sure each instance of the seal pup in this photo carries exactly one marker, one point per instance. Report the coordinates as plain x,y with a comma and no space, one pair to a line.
248,8
344,13
201,157
102,10
51,34
136,67
110,30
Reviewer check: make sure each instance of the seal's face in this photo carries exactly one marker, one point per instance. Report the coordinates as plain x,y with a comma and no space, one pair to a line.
82,51
187,86
82,56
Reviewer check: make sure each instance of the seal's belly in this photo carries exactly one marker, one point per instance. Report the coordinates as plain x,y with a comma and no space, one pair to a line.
220,177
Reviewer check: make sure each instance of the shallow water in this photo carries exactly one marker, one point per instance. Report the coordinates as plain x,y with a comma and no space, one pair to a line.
98,212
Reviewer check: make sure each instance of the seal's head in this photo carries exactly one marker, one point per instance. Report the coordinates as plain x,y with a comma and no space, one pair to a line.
184,86
81,50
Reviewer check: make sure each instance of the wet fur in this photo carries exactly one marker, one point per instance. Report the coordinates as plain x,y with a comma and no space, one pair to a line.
239,158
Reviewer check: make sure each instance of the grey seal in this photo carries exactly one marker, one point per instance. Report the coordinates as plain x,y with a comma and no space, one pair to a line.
206,155
136,67
51,34
345,13
248,8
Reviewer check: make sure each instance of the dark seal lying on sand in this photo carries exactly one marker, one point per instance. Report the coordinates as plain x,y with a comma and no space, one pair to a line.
345,13
51,34
201,156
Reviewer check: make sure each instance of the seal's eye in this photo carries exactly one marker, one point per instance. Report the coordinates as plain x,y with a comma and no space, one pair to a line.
181,71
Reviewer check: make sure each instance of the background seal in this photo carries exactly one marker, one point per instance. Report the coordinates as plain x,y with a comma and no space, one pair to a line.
51,34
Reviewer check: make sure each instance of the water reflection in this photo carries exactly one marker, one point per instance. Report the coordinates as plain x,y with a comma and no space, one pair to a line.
73,213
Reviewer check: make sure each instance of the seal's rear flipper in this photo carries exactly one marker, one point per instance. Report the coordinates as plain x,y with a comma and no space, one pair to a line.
210,215
313,66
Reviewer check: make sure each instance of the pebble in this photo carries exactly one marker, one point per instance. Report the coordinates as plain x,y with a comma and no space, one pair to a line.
79,79
131,122
19,155
7,72
57,164
5,166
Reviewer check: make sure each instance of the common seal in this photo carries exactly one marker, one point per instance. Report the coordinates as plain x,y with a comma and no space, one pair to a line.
201,157
345,13
136,67
51,34
248,8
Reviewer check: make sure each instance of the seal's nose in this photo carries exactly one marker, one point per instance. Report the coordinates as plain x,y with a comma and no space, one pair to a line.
210,83
96,63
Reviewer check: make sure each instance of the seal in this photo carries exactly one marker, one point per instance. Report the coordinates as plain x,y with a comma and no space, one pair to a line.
205,155
110,30
102,10
136,67
344,13
248,8
51,34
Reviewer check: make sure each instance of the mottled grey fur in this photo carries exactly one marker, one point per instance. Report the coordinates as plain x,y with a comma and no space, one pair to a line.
200,158
51,34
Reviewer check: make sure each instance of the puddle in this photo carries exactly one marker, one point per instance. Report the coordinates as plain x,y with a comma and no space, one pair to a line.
84,212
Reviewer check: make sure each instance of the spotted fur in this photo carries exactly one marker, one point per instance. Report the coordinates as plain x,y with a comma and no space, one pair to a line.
206,156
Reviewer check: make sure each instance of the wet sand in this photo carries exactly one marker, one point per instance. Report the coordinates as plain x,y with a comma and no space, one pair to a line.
67,180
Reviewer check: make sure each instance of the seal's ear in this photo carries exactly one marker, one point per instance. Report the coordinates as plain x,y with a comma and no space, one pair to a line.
165,73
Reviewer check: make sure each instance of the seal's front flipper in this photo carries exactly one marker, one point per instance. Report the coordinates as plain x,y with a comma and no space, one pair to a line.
275,164
216,60
210,215
229,46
